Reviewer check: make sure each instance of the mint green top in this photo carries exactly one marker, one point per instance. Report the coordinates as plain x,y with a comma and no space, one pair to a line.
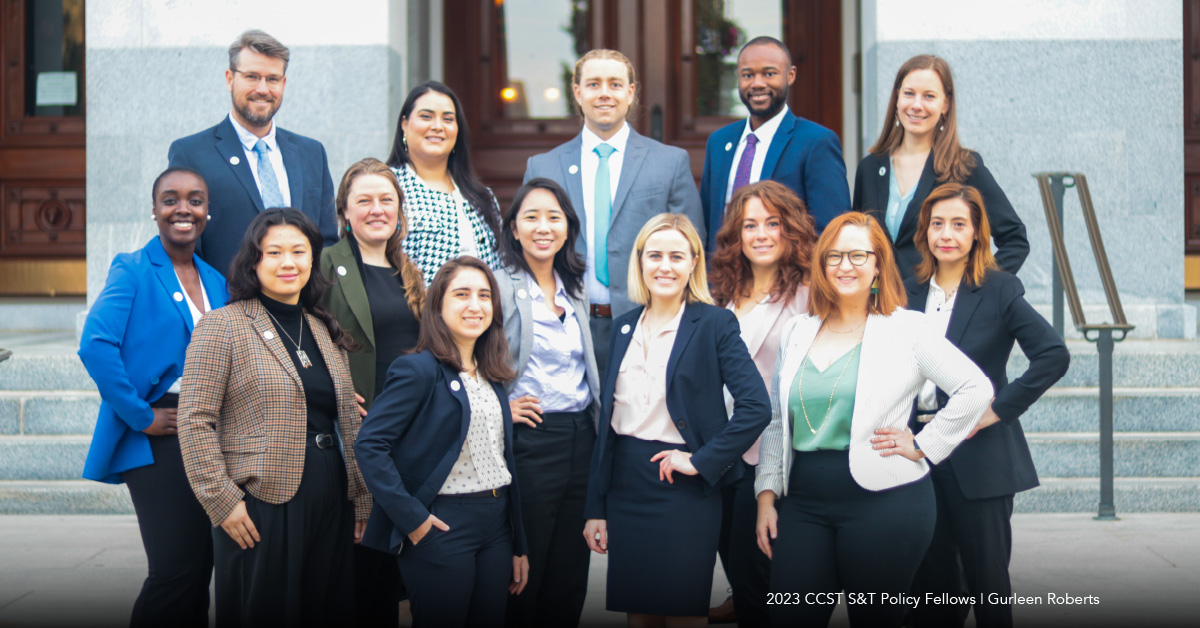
833,431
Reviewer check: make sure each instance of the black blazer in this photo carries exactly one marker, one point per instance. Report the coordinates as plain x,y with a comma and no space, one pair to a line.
985,322
708,355
871,196
410,441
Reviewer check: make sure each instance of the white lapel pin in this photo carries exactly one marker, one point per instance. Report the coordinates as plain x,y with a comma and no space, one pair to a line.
729,146
625,329
268,335
234,160
521,294
882,171
178,297
573,169
342,270
454,385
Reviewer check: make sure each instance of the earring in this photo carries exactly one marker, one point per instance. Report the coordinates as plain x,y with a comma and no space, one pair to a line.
897,122
347,228
875,290
404,140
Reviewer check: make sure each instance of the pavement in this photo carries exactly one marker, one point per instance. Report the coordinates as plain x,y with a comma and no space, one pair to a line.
1143,570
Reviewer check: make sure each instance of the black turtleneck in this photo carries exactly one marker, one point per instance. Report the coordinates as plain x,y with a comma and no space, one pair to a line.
319,394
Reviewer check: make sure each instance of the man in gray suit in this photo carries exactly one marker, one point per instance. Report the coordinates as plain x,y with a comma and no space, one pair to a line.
617,180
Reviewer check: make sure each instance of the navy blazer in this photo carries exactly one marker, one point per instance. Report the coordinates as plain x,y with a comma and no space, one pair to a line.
803,155
233,197
985,322
410,441
708,355
871,191
133,345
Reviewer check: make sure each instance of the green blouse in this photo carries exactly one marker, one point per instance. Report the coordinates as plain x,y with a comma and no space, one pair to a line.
832,431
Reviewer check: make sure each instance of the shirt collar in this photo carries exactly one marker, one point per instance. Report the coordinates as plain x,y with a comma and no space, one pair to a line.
617,141
766,131
560,292
249,139
672,325
938,293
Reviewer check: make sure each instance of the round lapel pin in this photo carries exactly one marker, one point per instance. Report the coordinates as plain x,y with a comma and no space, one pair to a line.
521,294
573,169
729,146
178,297
454,385
234,160
342,271
882,171
624,329
268,335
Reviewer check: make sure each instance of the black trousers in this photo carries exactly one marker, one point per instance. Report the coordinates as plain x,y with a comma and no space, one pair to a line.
301,573
972,542
461,577
552,468
747,567
840,542
601,333
177,536
378,588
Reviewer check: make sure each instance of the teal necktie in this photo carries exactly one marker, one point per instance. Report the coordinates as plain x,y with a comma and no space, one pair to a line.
603,209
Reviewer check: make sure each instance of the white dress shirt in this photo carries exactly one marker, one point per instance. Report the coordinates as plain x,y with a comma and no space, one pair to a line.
556,372
938,309
589,161
248,141
196,314
765,133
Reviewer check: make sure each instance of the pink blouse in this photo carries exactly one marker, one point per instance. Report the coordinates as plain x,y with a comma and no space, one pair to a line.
640,397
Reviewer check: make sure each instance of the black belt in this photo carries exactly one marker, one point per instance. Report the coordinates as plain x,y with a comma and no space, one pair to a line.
602,310
320,441
168,400
492,492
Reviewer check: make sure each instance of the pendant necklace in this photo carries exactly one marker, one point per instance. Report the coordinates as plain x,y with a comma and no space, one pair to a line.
800,387
300,354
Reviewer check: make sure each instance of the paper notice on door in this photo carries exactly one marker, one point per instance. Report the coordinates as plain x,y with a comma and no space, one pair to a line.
56,88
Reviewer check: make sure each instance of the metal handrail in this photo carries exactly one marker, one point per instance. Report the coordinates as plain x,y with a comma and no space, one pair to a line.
1051,186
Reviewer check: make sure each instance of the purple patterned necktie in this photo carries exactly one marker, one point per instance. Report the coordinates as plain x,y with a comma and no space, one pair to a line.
742,176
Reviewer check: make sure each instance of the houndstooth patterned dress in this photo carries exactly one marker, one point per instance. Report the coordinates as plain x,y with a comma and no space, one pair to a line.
432,217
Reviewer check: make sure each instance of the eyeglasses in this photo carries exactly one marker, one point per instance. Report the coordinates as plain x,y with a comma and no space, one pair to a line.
857,258
273,80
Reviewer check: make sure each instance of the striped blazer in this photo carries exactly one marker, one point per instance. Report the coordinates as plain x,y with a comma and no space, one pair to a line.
898,354
242,412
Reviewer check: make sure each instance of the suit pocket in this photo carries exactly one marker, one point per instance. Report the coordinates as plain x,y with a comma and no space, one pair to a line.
243,444
648,192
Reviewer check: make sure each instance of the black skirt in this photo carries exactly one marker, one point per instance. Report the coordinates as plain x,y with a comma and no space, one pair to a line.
662,537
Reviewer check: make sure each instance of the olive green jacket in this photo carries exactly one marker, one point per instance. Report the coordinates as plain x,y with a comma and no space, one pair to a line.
347,300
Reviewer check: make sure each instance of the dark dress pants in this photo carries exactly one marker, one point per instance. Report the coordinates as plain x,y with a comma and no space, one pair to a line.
836,537
746,566
972,545
552,468
177,536
301,572
378,588
460,577
601,333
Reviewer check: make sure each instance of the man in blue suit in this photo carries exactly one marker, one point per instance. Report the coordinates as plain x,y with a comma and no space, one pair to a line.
772,144
617,180
249,163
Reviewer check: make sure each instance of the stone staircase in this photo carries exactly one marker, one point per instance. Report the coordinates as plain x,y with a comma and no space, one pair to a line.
48,406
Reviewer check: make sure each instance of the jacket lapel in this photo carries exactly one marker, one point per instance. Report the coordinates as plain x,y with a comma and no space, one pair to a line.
873,361
459,392
772,310
291,163
620,338
520,283
783,135
351,285
722,164
261,322
687,327
569,157
214,283
964,306
233,154
917,296
881,172
635,152
165,272
908,224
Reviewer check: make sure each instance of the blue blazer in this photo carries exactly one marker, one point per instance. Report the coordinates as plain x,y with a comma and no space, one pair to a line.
233,197
708,355
409,443
133,345
803,155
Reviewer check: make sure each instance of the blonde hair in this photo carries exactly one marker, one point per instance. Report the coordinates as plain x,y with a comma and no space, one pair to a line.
697,286
605,54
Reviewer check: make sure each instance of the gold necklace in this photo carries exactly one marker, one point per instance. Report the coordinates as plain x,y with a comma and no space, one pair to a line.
848,331
800,388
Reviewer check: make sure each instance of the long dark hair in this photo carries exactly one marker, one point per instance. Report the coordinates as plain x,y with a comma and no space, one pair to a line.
951,161
243,271
459,164
414,280
567,262
491,348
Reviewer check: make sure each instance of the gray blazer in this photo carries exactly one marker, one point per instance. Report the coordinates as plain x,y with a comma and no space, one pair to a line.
654,179
518,318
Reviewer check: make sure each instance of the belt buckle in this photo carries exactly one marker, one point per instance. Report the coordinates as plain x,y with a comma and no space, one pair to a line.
324,441
495,492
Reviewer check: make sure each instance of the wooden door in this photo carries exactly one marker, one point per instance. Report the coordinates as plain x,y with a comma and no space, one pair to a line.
510,62
1191,141
42,156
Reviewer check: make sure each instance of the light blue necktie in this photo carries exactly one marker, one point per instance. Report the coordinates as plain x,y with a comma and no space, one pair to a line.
603,209
268,184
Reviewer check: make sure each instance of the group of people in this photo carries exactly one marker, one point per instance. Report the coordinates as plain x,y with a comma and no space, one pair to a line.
339,398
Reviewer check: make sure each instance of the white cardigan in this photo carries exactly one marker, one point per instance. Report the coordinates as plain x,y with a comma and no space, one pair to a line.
899,352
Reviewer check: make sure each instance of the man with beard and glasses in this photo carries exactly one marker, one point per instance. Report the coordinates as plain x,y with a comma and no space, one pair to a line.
249,163
773,144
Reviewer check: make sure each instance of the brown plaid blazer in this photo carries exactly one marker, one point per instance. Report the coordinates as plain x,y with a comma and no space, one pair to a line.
242,412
